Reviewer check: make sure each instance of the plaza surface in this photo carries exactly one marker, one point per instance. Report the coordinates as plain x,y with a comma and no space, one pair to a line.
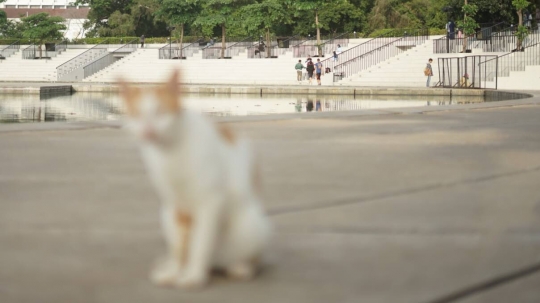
402,205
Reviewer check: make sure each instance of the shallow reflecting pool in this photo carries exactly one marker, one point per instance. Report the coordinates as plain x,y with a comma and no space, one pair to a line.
99,106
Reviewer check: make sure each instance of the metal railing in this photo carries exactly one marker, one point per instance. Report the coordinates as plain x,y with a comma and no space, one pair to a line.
44,50
453,43
64,70
230,51
10,49
185,50
60,47
470,72
515,61
506,40
377,55
305,48
329,46
309,47
110,58
29,52
356,51
278,48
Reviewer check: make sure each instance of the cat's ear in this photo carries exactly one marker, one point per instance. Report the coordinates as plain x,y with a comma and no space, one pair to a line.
129,94
173,83
170,92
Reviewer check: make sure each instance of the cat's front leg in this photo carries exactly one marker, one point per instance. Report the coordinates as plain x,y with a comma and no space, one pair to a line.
176,226
202,242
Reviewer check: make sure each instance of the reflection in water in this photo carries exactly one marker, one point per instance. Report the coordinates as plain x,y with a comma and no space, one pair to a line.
99,106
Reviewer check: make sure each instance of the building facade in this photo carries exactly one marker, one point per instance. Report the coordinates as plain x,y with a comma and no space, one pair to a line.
75,15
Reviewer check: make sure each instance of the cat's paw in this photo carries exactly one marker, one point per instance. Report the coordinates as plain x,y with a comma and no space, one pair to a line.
164,275
191,280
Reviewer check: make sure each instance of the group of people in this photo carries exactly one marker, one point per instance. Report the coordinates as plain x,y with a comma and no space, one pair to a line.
312,68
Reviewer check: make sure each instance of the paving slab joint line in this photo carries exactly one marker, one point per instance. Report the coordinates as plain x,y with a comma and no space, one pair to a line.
356,200
489,284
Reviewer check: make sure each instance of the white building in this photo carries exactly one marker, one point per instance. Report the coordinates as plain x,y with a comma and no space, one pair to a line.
74,15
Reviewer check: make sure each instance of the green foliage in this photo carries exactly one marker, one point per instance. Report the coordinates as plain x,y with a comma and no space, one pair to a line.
176,12
468,24
261,16
213,18
41,27
407,14
399,32
522,32
119,24
520,4
123,40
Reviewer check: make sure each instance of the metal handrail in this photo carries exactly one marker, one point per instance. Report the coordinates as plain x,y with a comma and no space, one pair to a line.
508,41
516,61
246,40
29,52
163,50
86,56
275,49
382,53
230,51
442,45
475,33
471,72
11,49
60,47
108,59
188,50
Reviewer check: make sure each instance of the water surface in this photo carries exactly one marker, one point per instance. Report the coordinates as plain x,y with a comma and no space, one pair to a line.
100,106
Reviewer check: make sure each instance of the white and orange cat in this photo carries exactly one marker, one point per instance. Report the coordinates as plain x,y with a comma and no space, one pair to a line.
211,212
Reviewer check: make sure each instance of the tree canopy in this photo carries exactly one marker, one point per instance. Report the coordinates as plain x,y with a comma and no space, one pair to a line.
211,18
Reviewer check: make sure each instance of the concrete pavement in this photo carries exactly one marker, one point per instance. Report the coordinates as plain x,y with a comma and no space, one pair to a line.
405,205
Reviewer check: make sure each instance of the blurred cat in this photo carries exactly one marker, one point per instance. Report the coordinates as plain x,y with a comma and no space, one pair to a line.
207,180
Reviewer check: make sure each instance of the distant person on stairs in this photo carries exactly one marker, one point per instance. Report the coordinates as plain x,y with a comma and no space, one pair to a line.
310,69
299,66
428,71
142,41
318,70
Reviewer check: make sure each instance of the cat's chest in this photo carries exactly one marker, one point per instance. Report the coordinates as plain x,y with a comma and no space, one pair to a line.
174,174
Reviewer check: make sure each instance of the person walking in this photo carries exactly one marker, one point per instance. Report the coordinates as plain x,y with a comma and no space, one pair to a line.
310,68
428,71
299,66
142,41
338,50
335,56
318,70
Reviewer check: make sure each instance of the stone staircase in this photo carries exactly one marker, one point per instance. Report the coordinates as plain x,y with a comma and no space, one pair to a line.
145,66
14,68
405,69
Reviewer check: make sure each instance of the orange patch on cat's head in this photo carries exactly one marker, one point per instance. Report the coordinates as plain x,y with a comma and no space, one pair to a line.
168,94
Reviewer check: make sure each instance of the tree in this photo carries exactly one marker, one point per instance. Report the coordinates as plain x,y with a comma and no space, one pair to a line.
262,16
118,25
315,6
178,13
219,13
41,27
468,24
101,11
522,31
